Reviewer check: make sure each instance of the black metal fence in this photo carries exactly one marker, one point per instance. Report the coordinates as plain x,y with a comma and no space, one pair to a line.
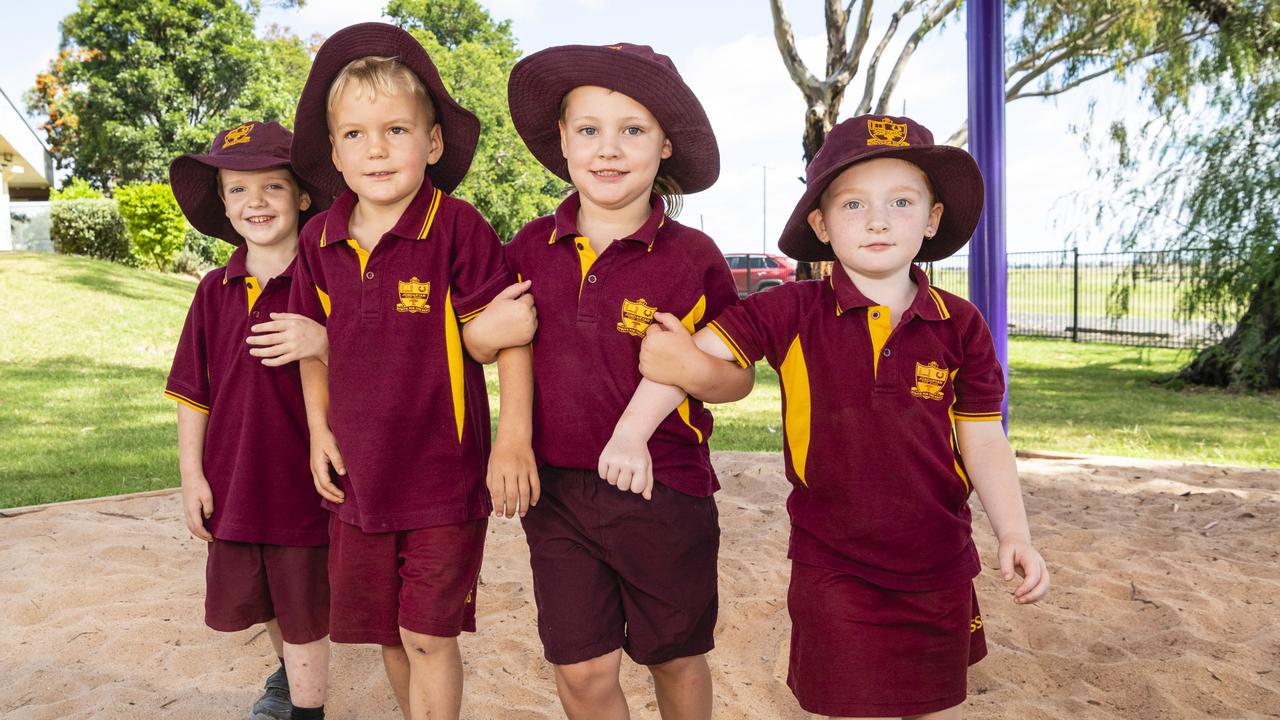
1130,298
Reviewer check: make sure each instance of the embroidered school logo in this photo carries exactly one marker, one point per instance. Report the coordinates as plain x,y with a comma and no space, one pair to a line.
887,132
238,135
413,296
930,379
637,315
975,624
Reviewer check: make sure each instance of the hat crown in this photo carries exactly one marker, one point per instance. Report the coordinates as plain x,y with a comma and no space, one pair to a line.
645,52
850,139
259,139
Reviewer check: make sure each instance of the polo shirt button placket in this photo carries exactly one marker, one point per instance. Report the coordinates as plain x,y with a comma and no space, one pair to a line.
591,278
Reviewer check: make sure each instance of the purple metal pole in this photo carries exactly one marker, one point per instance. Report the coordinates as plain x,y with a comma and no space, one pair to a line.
988,279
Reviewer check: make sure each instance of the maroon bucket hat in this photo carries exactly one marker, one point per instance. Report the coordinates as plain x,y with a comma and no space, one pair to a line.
312,156
956,180
539,83
246,147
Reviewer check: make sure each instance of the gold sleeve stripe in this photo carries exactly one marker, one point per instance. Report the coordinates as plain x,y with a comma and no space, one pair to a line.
324,301
453,351
942,306
187,401
431,214
979,417
796,422
738,355
468,317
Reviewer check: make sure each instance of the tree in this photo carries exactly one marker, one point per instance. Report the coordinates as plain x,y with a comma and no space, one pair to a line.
1212,199
1060,45
135,84
475,55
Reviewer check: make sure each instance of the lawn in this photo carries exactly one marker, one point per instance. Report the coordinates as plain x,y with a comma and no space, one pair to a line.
85,347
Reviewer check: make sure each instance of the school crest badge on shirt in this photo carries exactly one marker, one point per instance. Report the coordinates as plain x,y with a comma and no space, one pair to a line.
413,296
930,379
637,316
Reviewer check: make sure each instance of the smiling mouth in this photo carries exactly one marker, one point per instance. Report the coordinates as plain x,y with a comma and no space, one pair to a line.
608,173
380,174
260,219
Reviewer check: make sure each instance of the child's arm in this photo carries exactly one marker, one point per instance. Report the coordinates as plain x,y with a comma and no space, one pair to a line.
289,337
701,364
324,447
510,320
994,474
197,498
513,473
625,460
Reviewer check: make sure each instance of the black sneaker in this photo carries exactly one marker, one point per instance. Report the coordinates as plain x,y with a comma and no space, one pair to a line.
274,703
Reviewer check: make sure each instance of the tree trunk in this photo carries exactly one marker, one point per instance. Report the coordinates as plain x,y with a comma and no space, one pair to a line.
1248,359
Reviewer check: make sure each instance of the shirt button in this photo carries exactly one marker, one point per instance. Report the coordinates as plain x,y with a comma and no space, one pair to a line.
256,313
591,278
368,275
886,352
875,314
580,246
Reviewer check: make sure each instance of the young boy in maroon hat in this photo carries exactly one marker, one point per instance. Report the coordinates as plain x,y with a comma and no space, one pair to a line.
399,419
242,441
885,619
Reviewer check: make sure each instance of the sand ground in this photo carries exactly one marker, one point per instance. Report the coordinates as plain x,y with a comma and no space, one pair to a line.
1166,604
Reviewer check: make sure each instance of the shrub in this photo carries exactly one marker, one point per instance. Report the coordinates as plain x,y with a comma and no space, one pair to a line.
88,227
76,189
157,228
209,252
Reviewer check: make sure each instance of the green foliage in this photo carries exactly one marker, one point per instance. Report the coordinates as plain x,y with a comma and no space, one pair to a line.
475,55
207,252
157,227
136,84
91,227
76,189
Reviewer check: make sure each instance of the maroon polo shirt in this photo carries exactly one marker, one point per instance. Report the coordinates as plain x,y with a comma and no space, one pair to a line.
255,446
879,488
592,315
406,404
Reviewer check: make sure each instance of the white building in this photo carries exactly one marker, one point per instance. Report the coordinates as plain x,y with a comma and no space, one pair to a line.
26,167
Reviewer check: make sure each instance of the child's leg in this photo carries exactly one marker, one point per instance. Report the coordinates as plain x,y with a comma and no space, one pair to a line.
951,713
277,640
435,675
590,689
683,687
308,667
396,663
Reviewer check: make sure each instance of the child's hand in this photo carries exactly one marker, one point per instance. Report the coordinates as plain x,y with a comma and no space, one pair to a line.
625,463
667,350
197,506
324,453
287,338
512,479
1019,555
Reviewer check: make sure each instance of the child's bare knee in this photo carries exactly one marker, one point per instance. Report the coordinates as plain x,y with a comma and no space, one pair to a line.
588,677
681,667
417,645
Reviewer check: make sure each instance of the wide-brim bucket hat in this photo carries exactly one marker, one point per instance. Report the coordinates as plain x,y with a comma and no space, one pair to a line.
247,147
540,81
312,156
956,179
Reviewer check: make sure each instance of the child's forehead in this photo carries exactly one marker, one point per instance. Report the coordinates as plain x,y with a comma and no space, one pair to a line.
272,173
592,99
360,98
880,174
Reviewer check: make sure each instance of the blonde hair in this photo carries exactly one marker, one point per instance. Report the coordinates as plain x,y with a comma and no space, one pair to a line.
377,75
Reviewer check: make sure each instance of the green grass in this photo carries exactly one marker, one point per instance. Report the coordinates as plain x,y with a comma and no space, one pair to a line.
85,347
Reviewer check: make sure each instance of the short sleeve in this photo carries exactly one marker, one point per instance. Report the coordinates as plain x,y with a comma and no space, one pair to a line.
979,381
762,325
188,381
478,272
307,296
719,287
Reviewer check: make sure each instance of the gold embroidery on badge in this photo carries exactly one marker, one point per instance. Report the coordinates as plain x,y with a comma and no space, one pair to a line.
930,379
469,598
614,47
413,296
237,135
975,624
887,132
637,315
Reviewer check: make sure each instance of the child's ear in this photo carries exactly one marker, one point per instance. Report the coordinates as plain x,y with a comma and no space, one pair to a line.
935,217
819,225
304,201
333,154
437,144
564,140
666,148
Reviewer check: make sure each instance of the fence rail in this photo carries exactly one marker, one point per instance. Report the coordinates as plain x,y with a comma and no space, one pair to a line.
1129,298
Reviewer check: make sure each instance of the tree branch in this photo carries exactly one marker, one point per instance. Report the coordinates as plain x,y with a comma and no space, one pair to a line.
939,11
864,105
786,39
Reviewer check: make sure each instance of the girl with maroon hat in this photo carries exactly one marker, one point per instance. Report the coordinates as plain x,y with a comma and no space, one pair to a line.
614,571
892,401
242,430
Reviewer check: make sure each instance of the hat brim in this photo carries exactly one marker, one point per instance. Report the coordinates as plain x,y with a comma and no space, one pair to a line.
539,83
194,179
312,155
957,184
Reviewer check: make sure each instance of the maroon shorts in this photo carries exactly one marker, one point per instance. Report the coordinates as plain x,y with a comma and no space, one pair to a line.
422,580
251,583
862,650
613,570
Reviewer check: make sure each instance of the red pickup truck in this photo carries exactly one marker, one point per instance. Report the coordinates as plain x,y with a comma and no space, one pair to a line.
758,271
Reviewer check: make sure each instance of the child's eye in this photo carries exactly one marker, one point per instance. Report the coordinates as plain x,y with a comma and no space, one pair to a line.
397,130
275,186
634,131
854,205
588,131
351,134
236,189
901,203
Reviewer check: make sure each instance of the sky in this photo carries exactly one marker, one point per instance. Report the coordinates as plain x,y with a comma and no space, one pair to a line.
726,52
